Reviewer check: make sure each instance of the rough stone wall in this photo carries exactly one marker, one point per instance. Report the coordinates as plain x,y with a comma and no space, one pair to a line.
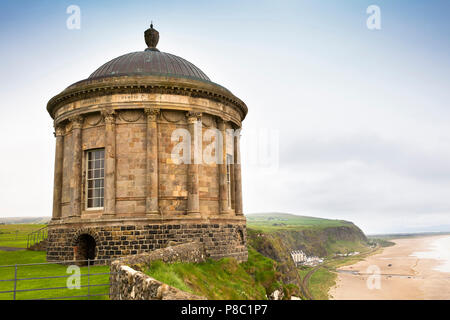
220,239
172,177
129,283
208,173
130,164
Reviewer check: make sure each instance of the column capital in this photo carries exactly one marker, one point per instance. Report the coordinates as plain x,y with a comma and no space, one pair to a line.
109,116
221,124
193,116
59,130
77,121
152,113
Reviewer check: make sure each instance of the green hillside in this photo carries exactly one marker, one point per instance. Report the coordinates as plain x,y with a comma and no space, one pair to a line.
280,221
225,279
275,235
315,236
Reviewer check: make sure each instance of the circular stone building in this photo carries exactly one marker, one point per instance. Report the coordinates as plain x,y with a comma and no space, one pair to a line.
119,187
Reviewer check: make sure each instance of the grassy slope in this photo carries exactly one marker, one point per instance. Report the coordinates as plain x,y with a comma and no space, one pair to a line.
223,279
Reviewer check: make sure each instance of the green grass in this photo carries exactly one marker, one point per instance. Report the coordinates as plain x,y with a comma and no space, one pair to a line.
15,235
27,257
225,279
320,283
268,222
303,270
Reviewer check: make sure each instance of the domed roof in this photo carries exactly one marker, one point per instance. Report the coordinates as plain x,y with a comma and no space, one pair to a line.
147,63
148,71
150,62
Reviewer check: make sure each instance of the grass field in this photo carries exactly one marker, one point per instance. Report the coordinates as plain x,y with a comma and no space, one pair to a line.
15,235
321,282
48,270
268,222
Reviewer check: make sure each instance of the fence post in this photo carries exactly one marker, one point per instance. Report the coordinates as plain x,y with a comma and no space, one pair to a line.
89,272
15,281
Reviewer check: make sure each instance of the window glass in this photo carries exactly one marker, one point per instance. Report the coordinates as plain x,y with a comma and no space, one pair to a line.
95,178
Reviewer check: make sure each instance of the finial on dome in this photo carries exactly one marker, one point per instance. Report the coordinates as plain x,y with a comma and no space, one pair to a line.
151,38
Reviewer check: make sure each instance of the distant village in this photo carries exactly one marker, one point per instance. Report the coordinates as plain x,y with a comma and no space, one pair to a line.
301,259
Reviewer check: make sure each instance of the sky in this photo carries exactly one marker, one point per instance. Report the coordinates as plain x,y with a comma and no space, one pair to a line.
356,120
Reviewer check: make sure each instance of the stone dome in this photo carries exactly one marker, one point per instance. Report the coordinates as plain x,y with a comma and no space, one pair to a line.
148,63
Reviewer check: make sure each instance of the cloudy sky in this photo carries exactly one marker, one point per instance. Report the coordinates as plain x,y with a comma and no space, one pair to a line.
355,122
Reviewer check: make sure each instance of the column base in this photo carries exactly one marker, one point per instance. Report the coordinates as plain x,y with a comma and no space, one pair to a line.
193,214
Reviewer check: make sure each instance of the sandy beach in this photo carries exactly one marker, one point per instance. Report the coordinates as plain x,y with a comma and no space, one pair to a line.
402,275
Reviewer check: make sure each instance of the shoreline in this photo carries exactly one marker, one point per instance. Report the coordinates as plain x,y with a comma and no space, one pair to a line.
402,276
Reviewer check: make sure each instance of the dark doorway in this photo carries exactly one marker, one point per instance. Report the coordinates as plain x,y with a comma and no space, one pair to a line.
86,248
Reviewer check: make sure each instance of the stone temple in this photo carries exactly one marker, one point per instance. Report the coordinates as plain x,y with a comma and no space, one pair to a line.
118,188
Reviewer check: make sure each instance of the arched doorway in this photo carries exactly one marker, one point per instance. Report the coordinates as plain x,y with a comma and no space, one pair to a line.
85,248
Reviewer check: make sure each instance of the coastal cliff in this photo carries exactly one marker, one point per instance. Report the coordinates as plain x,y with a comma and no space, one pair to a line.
276,235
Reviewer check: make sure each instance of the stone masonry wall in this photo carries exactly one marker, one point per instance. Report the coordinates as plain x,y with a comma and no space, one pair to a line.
128,282
226,239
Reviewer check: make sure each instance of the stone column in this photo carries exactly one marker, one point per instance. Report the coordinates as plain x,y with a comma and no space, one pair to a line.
237,174
195,127
110,162
223,185
75,179
152,206
233,186
58,174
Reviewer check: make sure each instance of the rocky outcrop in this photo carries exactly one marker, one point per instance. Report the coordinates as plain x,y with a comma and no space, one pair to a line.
128,282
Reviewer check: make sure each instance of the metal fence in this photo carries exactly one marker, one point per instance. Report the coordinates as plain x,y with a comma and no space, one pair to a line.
37,236
86,265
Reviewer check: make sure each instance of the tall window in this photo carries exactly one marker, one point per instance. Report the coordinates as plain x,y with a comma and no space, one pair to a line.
229,163
95,178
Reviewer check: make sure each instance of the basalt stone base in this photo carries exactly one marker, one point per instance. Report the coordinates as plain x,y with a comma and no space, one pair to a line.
105,239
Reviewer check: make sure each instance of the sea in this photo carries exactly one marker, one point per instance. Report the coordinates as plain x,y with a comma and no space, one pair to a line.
438,250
